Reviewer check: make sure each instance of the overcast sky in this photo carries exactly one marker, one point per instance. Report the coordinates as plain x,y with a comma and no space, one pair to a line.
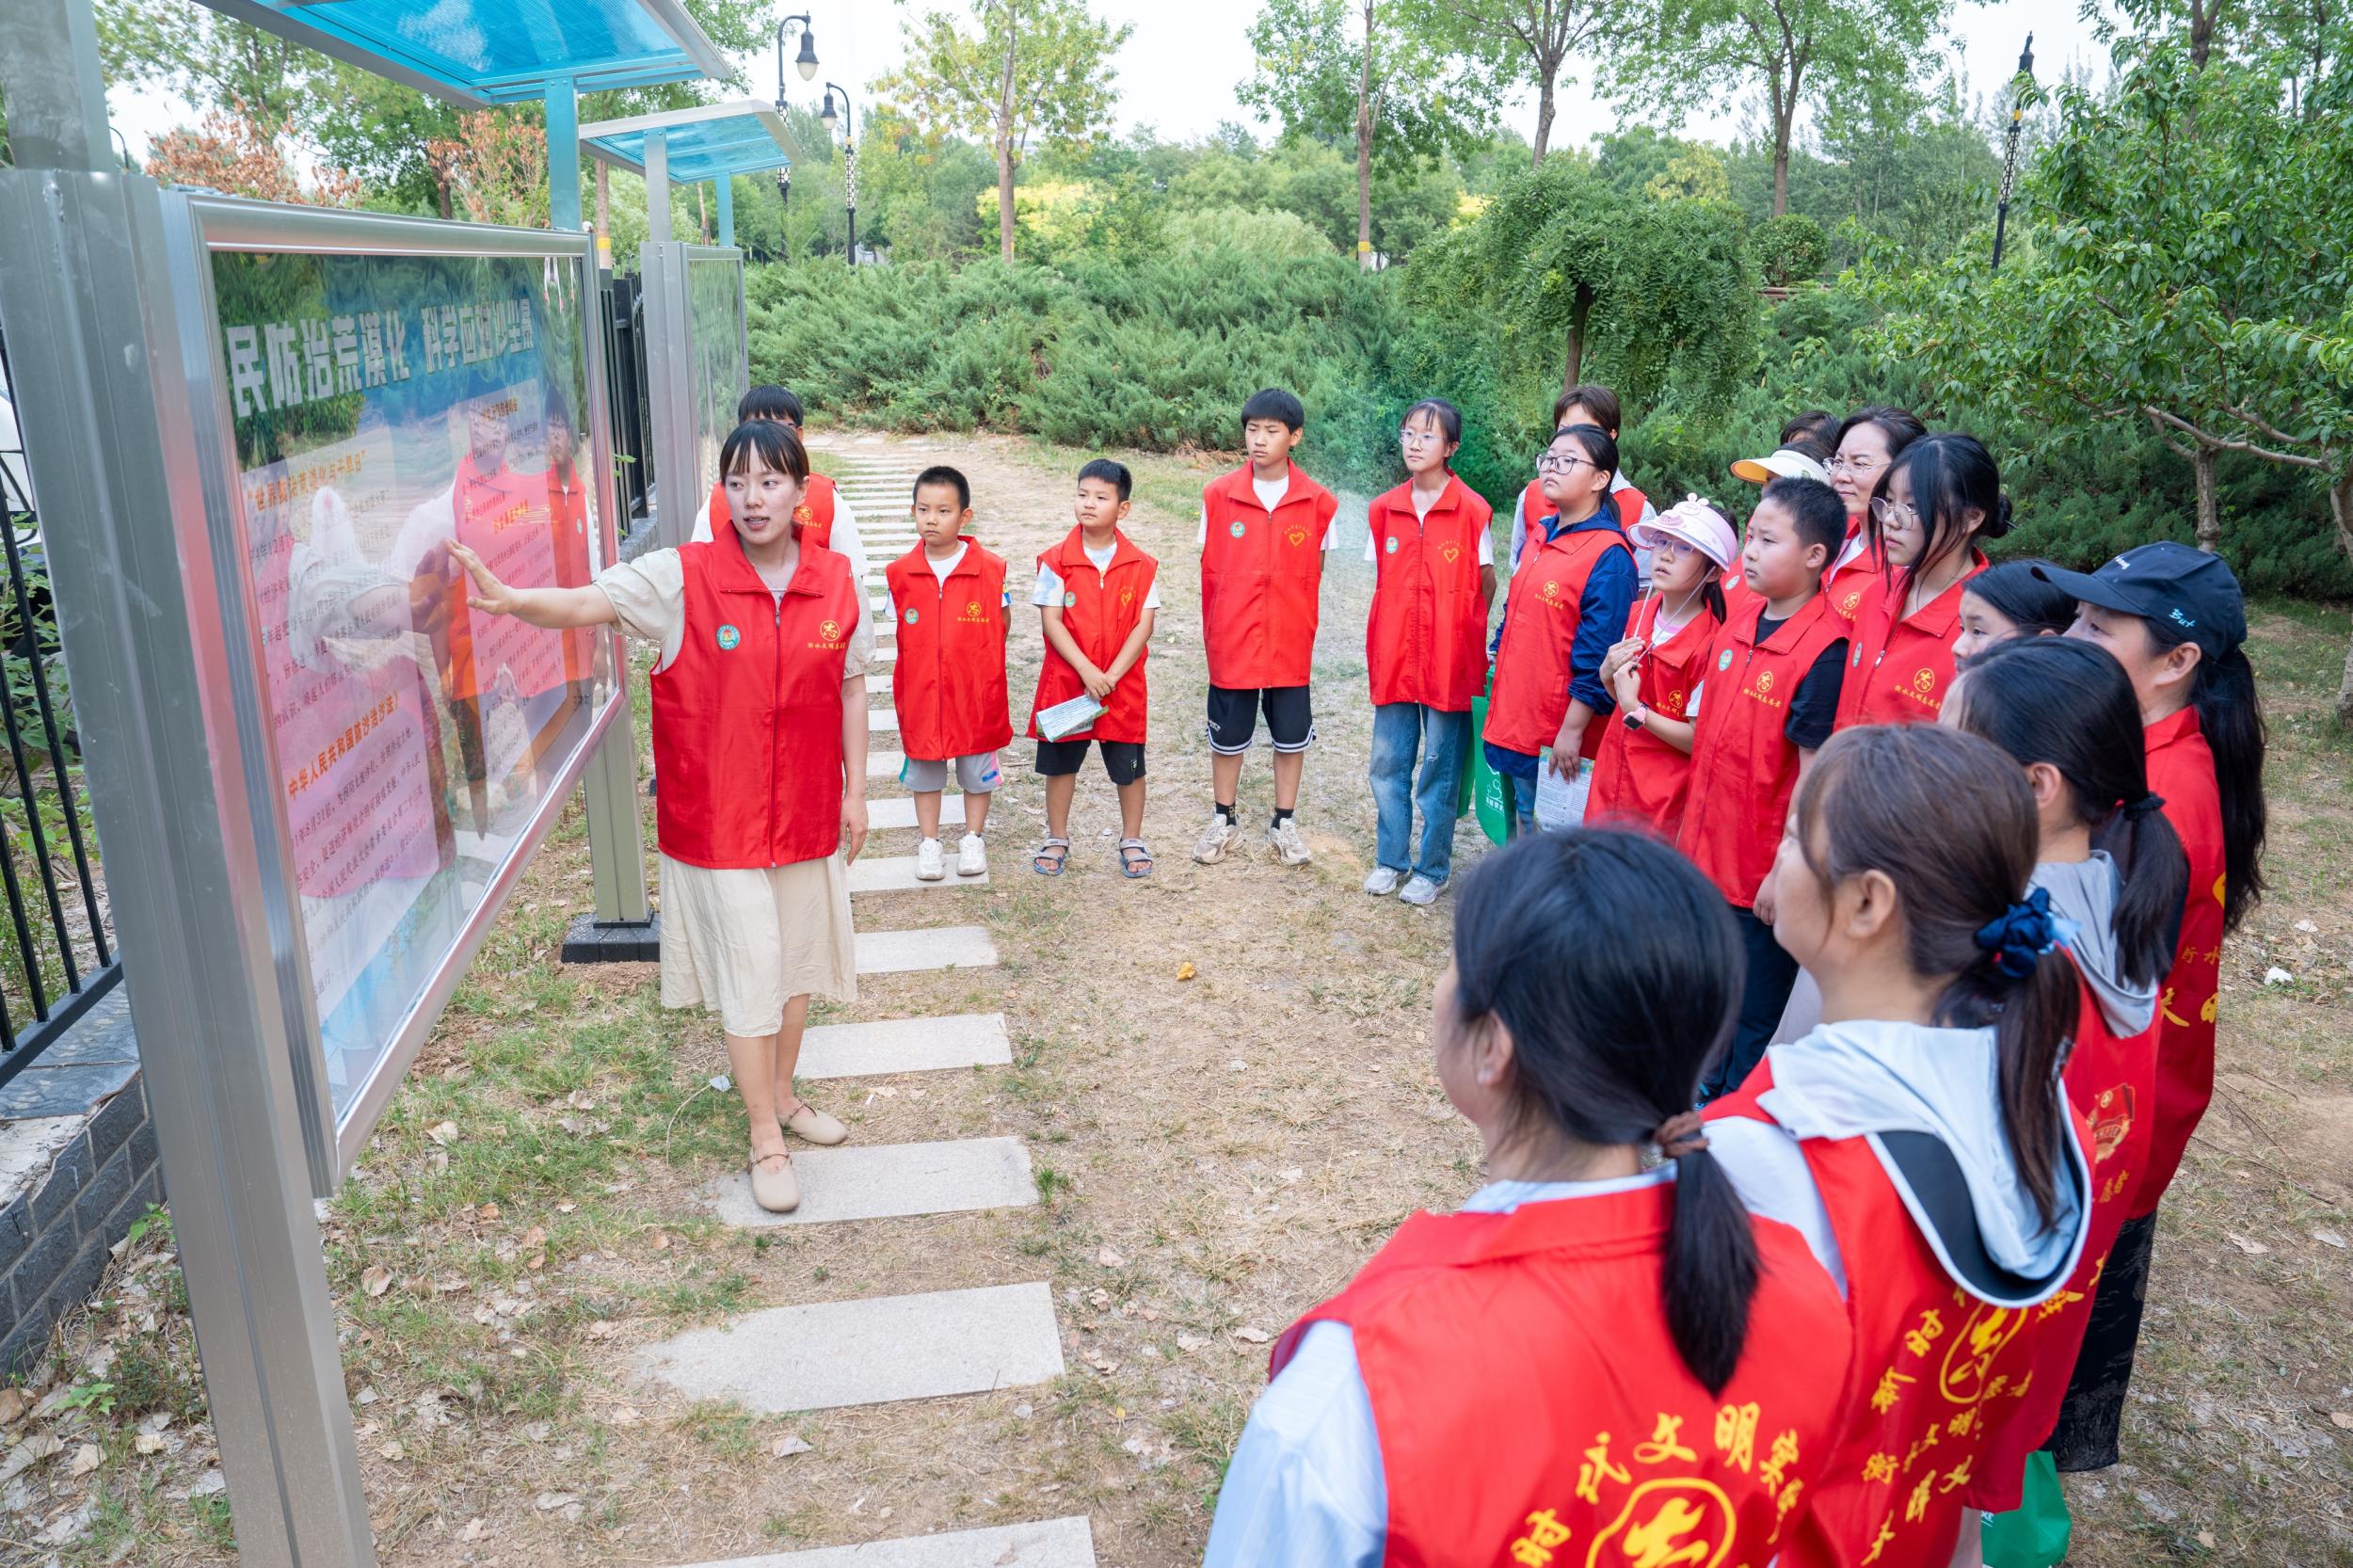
1180,66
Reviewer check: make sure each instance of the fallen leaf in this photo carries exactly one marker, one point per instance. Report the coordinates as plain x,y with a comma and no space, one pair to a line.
31,1451
2206,1539
476,1530
1186,971
548,1502
444,1133
1192,1342
86,1459
376,1281
208,1483
1110,1260
2328,1239
488,1213
14,1402
602,1330
2343,1419
148,1442
565,1207
789,1443
393,1450
1237,1065
1256,1335
1289,1175
661,1240
537,1236
2253,1248
627,1417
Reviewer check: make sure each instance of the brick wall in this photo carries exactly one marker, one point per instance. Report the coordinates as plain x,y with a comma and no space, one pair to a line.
55,1236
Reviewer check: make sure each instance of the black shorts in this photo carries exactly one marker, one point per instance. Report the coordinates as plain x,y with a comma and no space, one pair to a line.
1290,719
1122,759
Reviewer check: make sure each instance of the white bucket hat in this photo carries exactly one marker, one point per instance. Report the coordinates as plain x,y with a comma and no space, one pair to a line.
1697,525
1783,464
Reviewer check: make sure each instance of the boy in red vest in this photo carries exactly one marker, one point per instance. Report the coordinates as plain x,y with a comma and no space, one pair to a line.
1586,405
824,514
948,596
1264,529
1765,705
1096,596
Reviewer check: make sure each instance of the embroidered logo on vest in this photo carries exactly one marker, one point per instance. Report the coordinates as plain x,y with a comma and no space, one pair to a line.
1297,536
1924,682
728,637
830,631
1391,545
804,512
1551,592
1846,605
911,616
1451,551
1765,682
1069,600
972,610
1239,528
1723,661
1126,597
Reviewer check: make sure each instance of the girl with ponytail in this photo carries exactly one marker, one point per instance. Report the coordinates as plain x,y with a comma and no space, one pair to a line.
1939,502
2065,712
1918,1137
1589,1350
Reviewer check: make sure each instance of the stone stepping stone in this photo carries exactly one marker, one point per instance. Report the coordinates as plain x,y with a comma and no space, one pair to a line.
882,718
855,1183
933,946
1050,1544
887,656
884,764
905,1046
829,1354
898,811
895,873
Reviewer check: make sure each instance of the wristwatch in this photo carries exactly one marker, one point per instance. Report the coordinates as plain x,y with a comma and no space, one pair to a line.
1636,720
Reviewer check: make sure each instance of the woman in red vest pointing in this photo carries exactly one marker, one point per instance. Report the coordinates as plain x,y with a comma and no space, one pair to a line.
1590,1362
759,739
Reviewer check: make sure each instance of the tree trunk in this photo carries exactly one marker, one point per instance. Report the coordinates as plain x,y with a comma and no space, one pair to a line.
1543,115
1005,200
1781,161
2201,20
1573,371
2209,510
2341,513
441,193
1364,149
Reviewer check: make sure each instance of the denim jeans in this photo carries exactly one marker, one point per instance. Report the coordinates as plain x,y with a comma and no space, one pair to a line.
1398,729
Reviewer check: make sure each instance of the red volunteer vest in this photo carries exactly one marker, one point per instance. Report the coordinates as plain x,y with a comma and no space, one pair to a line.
1639,778
501,516
1260,574
1426,639
1530,698
568,532
2181,772
1099,610
1531,1407
748,719
1942,1383
1535,505
949,683
814,514
1743,768
1845,582
1898,671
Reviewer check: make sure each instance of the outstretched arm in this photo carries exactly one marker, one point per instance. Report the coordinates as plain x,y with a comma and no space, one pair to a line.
556,609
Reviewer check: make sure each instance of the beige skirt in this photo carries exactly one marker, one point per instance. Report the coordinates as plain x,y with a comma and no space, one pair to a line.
743,943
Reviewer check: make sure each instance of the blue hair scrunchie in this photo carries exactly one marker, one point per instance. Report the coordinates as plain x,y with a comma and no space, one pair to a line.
2026,931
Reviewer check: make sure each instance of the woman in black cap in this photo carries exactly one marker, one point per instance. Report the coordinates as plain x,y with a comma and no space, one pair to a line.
2174,617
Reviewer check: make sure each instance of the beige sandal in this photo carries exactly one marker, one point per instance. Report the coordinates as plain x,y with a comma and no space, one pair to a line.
812,1126
778,1192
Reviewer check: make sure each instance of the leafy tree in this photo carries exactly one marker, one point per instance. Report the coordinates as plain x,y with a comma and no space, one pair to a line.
1675,55
1395,89
1040,67
1517,43
1694,174
1573,273
2189,263
212,61
1791,248
241,155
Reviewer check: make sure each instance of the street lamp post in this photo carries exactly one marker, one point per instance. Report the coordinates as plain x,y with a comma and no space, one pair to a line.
806,63
847,119
2019,87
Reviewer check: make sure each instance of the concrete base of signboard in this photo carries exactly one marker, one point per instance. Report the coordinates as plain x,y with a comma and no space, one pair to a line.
586,941
875,1351
855,1182
1049,1543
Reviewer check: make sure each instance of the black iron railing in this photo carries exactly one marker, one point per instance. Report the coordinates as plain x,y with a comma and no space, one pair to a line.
61,957
625,387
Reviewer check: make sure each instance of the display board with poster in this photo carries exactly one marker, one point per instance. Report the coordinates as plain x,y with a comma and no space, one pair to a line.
380,406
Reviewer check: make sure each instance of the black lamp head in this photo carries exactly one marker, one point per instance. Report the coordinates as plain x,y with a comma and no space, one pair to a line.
805,62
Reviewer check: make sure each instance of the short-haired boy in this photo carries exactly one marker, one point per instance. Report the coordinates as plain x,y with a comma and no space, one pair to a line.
948,596
1264,529
1597,406
1096,597
824,515
1765,704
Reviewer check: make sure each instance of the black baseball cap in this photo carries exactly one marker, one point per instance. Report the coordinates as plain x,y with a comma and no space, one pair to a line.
2176,585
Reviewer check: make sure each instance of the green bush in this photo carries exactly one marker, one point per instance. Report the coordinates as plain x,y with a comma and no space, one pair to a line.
1791,248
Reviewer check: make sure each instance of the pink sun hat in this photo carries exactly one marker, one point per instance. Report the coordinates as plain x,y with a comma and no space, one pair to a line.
1696,523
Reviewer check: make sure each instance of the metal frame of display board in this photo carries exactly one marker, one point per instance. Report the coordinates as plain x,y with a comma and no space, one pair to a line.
664,268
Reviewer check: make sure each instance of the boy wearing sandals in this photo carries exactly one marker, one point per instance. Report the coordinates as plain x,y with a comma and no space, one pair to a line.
948,595
1096,596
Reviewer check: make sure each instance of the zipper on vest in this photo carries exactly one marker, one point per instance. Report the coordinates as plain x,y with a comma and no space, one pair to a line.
776,695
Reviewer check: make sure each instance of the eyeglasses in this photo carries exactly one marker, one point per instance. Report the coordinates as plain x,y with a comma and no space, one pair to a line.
1856,466
1549,463
1420,438
1895,514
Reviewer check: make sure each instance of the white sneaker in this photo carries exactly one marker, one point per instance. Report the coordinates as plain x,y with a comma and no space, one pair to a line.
1382,883
1216,838
1289,846
972,856
928,867
1420,891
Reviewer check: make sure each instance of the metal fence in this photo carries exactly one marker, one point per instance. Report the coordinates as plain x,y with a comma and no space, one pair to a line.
625,376
57,955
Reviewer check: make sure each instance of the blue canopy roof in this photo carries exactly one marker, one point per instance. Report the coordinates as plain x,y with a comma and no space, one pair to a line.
708,143
477,51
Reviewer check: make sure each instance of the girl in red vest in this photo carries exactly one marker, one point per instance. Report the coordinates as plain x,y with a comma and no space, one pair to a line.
1585,405
2172,616
1918,1136
1640,776
1861,454
1566,609
1940,500
1590,1362
1767,691
759,737
1425,648
1098,596
2064,712
948,596
2008,600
